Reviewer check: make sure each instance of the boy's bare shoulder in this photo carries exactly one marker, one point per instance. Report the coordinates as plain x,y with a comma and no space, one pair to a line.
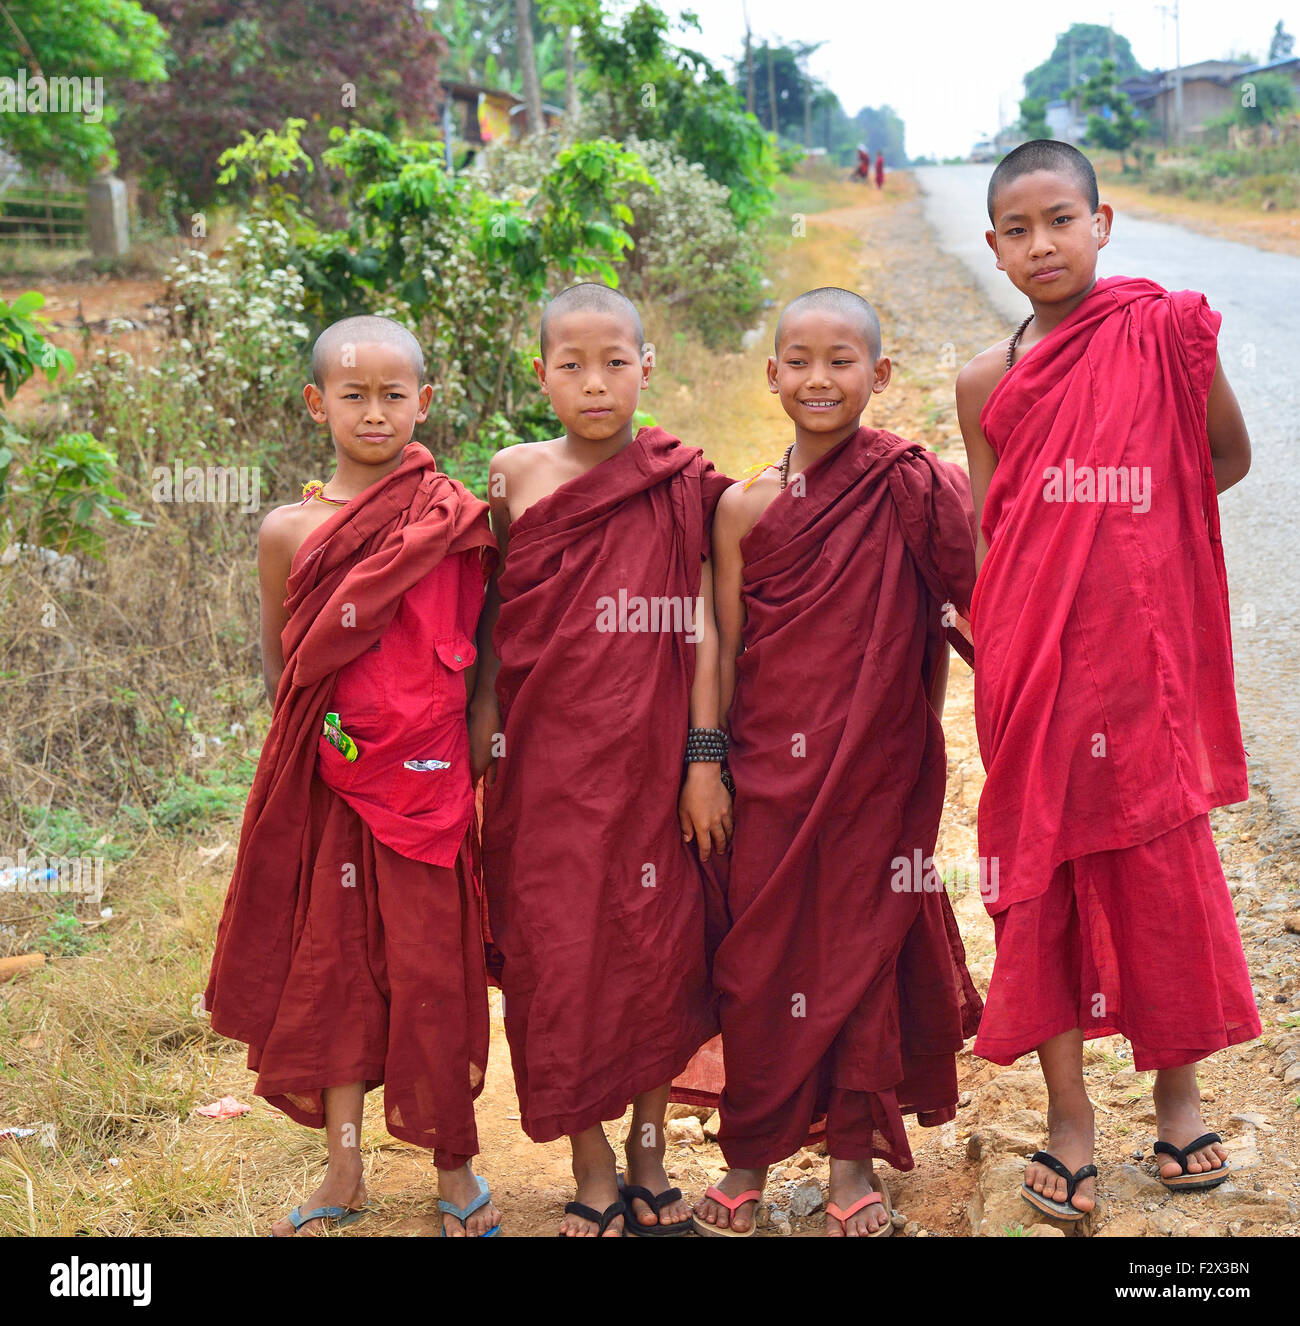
741,505
521,457
976,380
284,528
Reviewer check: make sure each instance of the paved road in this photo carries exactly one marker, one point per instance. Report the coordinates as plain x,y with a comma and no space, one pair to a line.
1258,294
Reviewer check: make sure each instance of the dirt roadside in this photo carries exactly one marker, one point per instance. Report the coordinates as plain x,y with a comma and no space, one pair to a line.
245,1172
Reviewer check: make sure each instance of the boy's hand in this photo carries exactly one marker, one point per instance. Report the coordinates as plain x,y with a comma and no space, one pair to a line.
704,809
484,726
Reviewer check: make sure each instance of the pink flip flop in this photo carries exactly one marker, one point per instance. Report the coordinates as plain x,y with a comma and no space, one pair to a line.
885,1230
731,1203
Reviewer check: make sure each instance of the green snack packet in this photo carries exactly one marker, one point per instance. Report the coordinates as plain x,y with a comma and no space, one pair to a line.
339,739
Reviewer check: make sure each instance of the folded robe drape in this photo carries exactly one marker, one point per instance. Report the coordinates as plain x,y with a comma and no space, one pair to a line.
314,956
842,980
1104,698
596,904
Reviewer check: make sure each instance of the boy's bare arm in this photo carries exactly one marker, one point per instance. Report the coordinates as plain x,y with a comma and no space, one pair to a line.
1229,440
276,545
731,522
975,384
704,806
484,711
939,683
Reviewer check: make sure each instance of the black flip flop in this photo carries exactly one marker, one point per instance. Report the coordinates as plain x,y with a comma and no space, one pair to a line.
1057,1210
628,1191
1187,1181
601,1219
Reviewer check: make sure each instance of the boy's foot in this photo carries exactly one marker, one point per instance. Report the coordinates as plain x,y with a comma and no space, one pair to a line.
460,1188
338,1189
645,1169
598,1189
851,1181
1178,1120
733,1183
1070,1140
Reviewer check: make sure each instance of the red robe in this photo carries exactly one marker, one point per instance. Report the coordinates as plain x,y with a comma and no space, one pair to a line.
596,904
842,994
338,959
1104,698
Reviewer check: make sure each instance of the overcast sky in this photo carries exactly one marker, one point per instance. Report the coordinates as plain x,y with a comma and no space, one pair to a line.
949,68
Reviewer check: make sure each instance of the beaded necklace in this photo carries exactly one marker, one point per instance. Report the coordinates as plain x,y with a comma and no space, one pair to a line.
1015,339
784,467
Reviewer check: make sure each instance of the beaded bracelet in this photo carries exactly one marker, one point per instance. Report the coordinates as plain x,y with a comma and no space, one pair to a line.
706,745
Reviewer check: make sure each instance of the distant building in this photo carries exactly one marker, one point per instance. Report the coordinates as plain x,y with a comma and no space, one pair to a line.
1064,121
1209,91
475,116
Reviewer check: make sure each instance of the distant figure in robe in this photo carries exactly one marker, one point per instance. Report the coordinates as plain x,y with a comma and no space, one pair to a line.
1099,437
596,716
880,170
350,949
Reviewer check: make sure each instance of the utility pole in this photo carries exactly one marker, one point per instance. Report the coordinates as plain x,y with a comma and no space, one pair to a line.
749,62
1178,79
807,105
771,91
1074,80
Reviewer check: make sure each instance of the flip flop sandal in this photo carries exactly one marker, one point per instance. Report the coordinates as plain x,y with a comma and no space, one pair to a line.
601,1219
884,1231
1187,1181
731,1203
629,1191
1057,1210
337,1216
463,1213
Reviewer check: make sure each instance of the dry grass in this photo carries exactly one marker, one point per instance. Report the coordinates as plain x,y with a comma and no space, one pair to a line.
108,1048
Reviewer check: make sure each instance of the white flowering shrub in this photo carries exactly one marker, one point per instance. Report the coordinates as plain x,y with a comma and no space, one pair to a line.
689,252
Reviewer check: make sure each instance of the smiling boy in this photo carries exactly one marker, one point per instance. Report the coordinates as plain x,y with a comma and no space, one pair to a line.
843,992
1098,437
599,721
350,949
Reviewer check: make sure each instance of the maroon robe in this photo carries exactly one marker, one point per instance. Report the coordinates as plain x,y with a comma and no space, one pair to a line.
841,993
596,904
338,959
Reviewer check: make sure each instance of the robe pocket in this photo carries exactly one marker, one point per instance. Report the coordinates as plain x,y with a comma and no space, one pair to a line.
335,768
456,653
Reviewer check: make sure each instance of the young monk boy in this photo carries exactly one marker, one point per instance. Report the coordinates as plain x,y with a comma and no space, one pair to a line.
1098,437
600,675
843,992
350,949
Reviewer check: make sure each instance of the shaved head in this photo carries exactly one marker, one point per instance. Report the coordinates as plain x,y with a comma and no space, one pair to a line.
336,346
843,303
1045,154
592,298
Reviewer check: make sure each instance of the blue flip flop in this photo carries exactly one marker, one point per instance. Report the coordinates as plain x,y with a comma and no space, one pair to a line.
463,1213
331,1215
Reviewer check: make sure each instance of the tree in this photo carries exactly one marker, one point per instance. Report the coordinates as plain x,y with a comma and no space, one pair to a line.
1112,122
1077,56
528,66
1281,45
640,83
1264,99
880,128
242,65
1033,117
782,87
112,40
